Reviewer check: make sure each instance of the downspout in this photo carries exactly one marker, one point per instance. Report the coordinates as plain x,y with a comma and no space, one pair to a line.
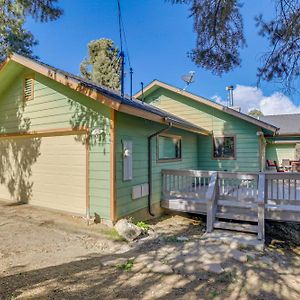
150,165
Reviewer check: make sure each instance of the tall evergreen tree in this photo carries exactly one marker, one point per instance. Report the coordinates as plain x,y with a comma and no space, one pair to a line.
256,113
218,25
13,13
103,64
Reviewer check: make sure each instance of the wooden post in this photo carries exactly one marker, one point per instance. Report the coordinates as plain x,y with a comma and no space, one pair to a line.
211,196
261,200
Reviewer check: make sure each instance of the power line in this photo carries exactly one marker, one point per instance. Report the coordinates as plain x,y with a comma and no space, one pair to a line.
122,34
120,25
125,40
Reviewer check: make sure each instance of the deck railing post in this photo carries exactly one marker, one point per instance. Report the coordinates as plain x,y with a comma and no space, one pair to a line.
261,200
211,197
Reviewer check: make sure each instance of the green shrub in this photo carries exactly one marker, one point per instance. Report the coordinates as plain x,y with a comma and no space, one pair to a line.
144,226
127,267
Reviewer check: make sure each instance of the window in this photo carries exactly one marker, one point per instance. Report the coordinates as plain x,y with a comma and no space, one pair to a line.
224,147
169,148
297,151
28,88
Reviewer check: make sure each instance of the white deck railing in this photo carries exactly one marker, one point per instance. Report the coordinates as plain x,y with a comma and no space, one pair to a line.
185,184
237,186
272,195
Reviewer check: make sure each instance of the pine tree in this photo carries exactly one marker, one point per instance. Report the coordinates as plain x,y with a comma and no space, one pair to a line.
218,25
103,64
255,113
13,13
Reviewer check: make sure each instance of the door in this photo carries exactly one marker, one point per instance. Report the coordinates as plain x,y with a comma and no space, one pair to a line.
44,171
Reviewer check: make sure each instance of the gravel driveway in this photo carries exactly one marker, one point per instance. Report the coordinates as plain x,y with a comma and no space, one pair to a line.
48,255
34,238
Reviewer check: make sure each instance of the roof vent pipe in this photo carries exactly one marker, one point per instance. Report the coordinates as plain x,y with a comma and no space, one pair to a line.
229,88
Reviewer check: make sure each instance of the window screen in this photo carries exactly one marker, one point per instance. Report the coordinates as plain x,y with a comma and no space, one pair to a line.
224,147
169,147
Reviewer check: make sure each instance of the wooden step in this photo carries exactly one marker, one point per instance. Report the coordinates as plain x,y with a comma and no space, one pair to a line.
236,227
237,210
241,200
240,217
232,203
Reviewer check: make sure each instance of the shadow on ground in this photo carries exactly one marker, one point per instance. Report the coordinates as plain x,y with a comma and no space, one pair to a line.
179,273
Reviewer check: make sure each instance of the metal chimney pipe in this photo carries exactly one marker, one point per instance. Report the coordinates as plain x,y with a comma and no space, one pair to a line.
229,88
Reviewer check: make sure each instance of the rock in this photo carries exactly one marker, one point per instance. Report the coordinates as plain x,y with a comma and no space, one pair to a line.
213,268
152,233
158,267
112,262
188,269
144,259
267,260
182,238
127,230
241,256
203,277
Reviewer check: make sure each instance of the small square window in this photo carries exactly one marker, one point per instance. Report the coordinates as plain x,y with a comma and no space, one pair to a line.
169,148
224,147
28,88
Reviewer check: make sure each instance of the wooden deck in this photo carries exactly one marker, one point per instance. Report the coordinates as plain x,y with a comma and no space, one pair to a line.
225,196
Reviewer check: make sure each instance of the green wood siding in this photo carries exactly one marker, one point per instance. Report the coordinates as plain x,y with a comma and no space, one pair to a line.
247,141
137,130
57,107
280,151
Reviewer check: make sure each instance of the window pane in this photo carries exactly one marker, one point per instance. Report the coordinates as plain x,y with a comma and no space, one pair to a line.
223,147
169,147
297,152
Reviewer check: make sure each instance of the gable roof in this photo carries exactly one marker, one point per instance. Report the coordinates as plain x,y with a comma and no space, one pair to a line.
104,95
155,84
289,124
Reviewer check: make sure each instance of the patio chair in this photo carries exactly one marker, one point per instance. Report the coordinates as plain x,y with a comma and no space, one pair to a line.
273,164
286,165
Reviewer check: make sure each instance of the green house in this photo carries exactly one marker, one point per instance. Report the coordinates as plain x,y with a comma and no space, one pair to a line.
70,145
286,144
237,142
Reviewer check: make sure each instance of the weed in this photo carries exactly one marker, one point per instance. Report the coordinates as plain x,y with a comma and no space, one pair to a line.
227,278
127,267
214,294
249,258
242,247
112,234
171,239
144,226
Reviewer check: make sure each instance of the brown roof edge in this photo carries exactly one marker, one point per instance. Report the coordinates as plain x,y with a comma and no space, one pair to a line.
208,102
100,94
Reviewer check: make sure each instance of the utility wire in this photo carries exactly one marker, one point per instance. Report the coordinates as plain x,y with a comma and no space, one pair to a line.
122,34
125,40
120,25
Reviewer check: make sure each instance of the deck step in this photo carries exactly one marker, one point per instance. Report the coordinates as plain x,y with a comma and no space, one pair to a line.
232,203
236,227
237,210
240,217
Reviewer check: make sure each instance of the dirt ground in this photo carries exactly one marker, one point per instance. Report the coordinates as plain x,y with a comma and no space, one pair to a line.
48,255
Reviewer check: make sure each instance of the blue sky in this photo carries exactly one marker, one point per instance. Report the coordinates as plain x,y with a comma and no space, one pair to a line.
159,35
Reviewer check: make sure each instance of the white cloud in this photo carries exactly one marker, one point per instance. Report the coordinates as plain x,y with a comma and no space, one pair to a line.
249,97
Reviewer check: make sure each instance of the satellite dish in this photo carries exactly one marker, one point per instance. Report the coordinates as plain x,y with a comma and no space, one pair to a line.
188,79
